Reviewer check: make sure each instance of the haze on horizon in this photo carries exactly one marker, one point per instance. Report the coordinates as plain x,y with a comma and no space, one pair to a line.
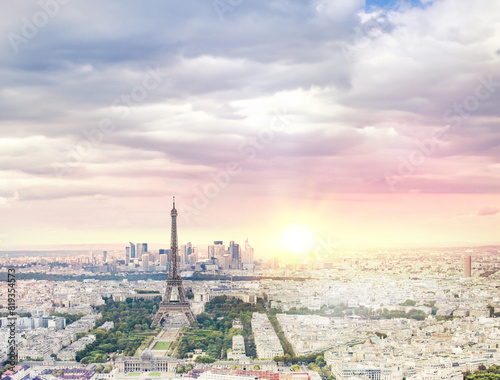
363,123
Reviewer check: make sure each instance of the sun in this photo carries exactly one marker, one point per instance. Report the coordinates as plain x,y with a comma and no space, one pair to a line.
297,239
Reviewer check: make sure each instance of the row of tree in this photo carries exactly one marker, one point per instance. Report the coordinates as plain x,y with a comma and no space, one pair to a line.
342,310
317,359
101,369
213,330
483,373
132,324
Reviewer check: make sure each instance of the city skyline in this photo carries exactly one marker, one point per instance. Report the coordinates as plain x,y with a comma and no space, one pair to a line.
250,189
367,124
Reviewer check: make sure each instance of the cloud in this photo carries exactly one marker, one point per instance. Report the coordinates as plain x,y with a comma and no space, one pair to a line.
365,87
486,211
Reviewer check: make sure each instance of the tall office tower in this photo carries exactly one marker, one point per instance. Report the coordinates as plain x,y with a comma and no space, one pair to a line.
132,250
127,255
163,261
164,257
194,256
234,252
155,256
247,253
189,252
144,247
182,253
185,251
93,257
276,263
467,266
104,256
220,251
226,261
145,262
217,250
174,282
138,250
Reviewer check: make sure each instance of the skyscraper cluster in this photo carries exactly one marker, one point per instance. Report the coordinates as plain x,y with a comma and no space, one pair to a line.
216,256
138,255
231,258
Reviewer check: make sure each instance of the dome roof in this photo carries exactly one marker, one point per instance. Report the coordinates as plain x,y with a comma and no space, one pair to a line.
146,354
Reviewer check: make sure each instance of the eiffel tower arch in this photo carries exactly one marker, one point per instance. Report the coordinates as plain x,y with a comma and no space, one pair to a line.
170,304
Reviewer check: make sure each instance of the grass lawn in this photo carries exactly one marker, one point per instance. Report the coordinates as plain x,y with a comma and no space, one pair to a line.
134,374
155,374
162,346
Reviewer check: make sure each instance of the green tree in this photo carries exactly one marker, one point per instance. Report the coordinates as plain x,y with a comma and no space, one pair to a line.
320,361
295,368
256,367
204,359
408,302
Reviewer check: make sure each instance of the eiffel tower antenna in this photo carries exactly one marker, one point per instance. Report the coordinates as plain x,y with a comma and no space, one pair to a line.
174,281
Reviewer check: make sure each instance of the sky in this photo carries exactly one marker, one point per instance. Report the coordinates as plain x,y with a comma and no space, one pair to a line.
349,123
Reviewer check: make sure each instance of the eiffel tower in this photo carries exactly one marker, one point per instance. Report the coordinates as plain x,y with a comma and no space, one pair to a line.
174,281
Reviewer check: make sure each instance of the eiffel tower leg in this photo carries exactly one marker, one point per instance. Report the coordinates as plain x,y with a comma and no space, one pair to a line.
157,319
190,316
182,294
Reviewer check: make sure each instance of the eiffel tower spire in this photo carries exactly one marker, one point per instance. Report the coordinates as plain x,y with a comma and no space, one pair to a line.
174,248
174,281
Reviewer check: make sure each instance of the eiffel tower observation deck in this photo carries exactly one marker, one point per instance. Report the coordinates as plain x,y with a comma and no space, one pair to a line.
169,305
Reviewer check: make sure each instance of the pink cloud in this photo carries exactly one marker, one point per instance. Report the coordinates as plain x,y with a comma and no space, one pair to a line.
488,211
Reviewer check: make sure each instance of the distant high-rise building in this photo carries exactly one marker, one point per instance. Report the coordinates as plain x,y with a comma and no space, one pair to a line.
234,252
163,261
164,258
127,255
247,254
104,256
467,266
276,263
226,261
185,252
138,250
145,262
132,250
144,247
217,250
218,242
194,256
